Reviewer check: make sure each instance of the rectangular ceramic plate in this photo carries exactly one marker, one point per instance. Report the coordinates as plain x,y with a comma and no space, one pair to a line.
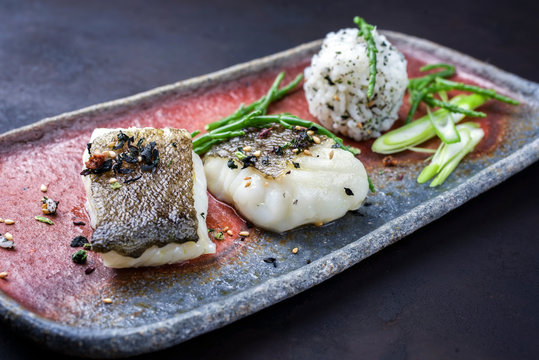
53,301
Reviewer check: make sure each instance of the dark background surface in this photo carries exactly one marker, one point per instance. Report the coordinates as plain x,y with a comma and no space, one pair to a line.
463,287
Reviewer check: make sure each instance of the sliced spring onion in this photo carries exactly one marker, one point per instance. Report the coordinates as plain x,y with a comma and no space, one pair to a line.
444,126
421,150
448,156
421,130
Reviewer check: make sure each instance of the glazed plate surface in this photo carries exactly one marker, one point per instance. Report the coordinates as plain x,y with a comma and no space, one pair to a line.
59,303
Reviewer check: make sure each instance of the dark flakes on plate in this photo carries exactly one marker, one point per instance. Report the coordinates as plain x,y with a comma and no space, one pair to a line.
79,241
271,260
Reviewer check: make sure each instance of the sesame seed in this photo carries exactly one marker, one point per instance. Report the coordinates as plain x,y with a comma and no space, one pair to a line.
226,228
257,153
336,98
3,274
247,178
266,184
107,300
43,188
359,125
247,148
295,250
112,154
316,139
8,236
1,220
295,151
318,223
310,133
243,233
307,152
229,232
9,222
112,180
247,184
139,158
300,128
331,153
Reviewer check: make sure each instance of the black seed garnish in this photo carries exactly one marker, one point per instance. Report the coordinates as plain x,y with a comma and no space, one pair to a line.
89,147
147,168
336,146
79,241
231,164
89,270
127,181
295,202
367,204
79,223
330,107
242,239
174,144
271,260
313,128
288,172
278,150
265,160
203,215
249,161
122,138
296,165
348,192
302,140
308,261
125,171
249,225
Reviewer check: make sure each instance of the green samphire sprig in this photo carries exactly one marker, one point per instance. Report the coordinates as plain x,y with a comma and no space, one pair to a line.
365,30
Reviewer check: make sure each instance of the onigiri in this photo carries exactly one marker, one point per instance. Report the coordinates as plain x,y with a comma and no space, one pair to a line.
337,80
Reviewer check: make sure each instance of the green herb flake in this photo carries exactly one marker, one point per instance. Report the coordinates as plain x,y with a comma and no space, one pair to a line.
219,235
44,220
115,185
240,155
79,257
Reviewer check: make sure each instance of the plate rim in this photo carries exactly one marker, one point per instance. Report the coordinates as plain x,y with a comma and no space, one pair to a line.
120,342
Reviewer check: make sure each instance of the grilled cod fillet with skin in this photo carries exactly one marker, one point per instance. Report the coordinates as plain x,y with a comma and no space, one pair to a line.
283,189
157,215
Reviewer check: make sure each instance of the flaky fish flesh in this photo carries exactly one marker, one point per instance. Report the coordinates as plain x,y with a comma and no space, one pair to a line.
280,179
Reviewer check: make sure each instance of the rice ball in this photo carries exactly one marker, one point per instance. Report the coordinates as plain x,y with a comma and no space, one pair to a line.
336,85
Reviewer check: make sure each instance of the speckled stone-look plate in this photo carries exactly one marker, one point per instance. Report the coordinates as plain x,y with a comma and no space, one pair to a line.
53,300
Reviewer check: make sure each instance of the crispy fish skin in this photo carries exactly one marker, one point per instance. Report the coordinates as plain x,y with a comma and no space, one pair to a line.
155,210
270,163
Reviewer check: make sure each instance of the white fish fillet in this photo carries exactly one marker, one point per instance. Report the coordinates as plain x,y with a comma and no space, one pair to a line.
313,193
154,255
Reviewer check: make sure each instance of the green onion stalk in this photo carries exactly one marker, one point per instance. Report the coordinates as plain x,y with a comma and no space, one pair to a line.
448,156
423,129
